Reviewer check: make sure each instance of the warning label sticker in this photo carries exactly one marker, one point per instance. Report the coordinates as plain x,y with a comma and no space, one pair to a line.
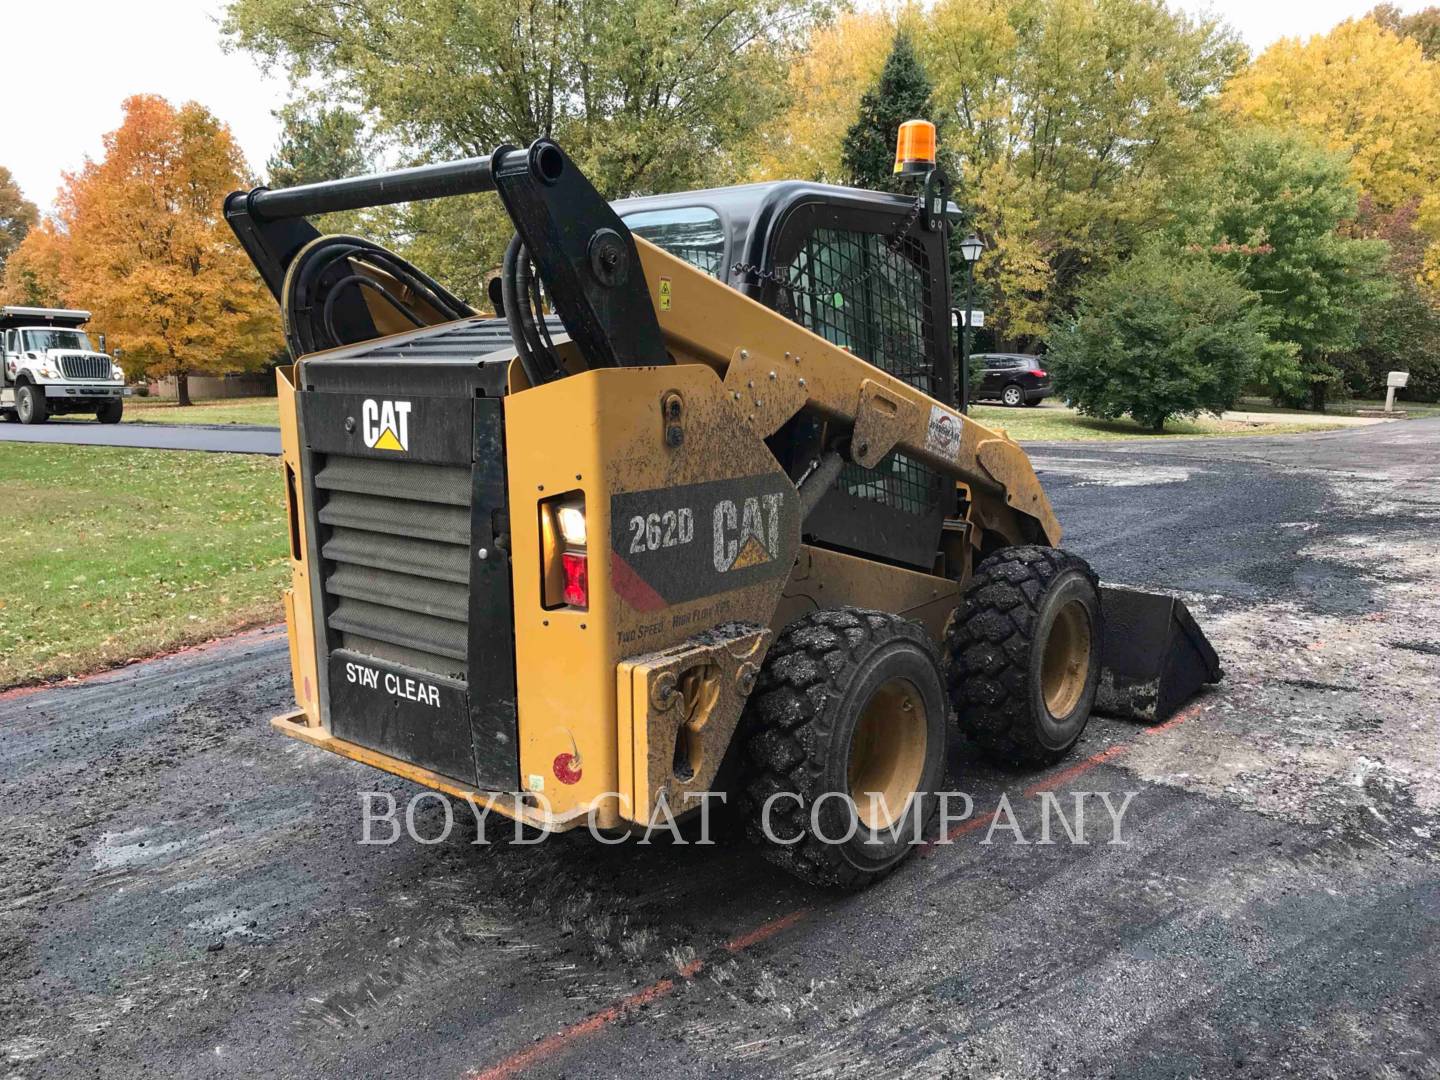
942,436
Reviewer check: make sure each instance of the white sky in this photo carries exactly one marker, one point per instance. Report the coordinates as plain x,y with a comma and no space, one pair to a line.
68,64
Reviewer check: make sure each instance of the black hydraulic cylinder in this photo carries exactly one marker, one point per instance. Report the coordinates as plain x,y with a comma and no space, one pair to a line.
378,189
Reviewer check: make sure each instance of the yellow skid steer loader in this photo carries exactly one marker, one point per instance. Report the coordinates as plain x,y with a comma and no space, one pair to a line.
715,507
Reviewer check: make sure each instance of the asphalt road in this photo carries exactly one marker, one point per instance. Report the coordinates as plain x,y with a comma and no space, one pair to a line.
218,438
182,892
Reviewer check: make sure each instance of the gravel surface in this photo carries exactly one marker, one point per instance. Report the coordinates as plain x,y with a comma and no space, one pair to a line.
182,893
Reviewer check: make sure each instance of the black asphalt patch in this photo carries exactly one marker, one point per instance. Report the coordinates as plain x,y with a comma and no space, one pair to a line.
213,438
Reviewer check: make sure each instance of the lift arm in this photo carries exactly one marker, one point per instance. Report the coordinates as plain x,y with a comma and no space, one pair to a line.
773,368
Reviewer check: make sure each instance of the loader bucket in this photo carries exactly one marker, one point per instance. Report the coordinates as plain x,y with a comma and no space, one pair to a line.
1154,657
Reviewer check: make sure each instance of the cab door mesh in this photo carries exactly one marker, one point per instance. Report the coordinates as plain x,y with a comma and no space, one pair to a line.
870,293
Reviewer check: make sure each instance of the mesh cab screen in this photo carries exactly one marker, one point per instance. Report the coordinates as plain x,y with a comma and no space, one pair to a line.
870,294
856,291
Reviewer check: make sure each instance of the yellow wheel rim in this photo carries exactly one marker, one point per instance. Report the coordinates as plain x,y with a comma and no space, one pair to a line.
887,754
1065,666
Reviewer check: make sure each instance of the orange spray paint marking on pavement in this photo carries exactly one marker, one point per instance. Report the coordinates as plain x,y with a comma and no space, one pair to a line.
1058,779
553,1044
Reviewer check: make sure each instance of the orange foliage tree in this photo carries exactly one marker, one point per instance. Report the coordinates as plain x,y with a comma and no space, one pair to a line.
143,245
32,273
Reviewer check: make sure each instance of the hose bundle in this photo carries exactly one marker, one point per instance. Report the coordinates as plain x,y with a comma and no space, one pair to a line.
330,274
525,315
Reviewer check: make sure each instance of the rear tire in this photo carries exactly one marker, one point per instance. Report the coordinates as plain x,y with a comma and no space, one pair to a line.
848,702
110,412
1023,653
1013,396
30,404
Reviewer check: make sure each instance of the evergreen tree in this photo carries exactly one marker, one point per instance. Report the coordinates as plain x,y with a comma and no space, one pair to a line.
902,92
318,142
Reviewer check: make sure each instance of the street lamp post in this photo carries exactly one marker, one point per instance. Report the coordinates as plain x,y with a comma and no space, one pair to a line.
970,250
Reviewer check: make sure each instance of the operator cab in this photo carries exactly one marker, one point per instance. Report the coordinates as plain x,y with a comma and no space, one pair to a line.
856,268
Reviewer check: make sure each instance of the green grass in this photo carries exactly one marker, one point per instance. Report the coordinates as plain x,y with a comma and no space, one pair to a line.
113,553
1049,423
258,410
1412,409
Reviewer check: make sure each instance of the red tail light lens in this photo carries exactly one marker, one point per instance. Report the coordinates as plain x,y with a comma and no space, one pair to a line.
577,579
1040,373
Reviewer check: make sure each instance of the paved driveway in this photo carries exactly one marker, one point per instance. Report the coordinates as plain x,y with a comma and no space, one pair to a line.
227,438
182,892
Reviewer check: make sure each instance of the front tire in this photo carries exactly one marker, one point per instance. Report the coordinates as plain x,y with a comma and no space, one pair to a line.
110,412
1023,653
848,702
1013,396
30,404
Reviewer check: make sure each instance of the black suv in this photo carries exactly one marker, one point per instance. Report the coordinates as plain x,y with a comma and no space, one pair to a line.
1013,378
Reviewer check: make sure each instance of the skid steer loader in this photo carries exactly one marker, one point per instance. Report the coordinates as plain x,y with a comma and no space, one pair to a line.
715,509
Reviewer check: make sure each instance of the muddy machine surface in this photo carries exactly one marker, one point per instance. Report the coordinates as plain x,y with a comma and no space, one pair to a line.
712,521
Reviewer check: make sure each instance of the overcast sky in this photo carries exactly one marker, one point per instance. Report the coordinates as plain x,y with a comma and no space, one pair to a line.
70,63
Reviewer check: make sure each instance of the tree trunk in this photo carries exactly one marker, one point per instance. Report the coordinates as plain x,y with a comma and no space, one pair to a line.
1317,396
182,388
1158,425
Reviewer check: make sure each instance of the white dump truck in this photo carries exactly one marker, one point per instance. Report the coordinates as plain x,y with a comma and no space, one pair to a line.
48,367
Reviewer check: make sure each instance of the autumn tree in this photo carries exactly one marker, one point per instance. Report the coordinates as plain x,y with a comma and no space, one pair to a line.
1361,90
1066,122
1273,210
32,273
1423,27
147,250
1403,330
17,216
823,87
902,92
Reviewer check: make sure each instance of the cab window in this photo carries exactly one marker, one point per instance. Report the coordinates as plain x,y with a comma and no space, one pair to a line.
40,340
692,233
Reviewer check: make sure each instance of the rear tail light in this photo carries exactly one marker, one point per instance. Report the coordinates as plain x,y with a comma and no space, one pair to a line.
1040,373
564,559
577,579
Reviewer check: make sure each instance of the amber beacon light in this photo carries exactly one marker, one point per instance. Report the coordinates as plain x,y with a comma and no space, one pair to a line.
915,148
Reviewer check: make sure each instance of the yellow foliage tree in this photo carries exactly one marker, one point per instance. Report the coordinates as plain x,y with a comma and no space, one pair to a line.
32,273
1065,124
1360,89
825,82
145,247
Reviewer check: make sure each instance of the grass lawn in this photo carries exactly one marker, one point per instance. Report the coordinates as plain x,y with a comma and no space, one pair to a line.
257,410
114,553
1057,423
1346,408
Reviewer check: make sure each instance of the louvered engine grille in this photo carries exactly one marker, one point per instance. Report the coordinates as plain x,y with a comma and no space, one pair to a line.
85,367
396,541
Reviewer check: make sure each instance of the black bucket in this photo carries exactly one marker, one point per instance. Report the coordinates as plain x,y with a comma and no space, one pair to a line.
1155,657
